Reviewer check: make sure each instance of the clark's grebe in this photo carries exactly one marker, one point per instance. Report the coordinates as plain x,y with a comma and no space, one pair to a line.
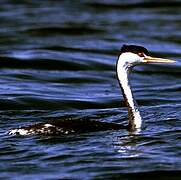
130,55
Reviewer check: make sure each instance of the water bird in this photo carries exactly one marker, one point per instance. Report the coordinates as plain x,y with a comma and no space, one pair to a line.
130,56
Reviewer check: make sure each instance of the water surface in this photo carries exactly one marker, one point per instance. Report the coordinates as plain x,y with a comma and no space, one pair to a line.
58,61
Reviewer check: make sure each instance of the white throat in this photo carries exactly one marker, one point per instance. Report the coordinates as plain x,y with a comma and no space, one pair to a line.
123,65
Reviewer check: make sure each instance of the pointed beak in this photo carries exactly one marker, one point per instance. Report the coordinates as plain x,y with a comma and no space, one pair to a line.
149,59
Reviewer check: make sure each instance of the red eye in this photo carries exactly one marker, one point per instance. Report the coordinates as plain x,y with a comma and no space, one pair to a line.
141,54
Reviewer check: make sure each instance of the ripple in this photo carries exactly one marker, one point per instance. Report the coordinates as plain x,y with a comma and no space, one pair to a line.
44,31
152,174
133,5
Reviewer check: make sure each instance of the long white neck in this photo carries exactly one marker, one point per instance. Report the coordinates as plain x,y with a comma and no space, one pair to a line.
135,120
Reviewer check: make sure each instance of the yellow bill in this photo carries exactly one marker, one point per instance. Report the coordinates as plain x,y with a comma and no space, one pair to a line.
149,59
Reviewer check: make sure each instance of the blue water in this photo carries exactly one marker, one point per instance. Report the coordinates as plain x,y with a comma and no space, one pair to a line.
57,60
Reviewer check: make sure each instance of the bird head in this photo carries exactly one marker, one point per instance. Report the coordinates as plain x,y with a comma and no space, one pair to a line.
132,55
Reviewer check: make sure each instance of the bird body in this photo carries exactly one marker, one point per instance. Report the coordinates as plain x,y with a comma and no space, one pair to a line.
130,55
66,126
